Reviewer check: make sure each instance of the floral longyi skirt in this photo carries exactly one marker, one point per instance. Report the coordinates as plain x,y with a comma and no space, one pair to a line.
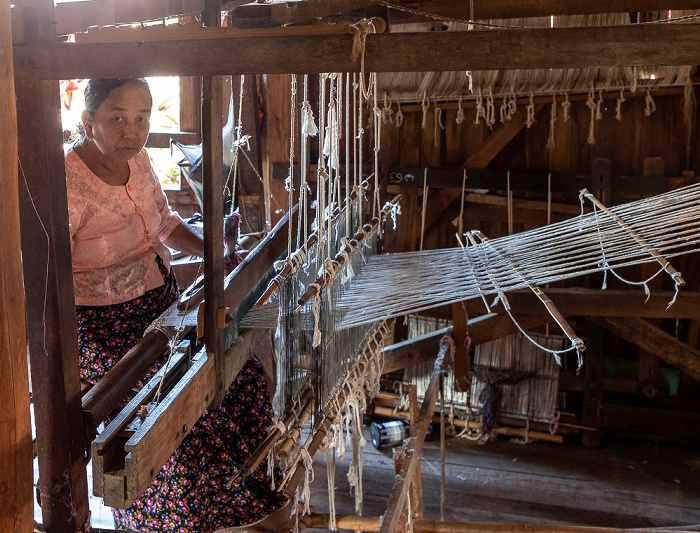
189,494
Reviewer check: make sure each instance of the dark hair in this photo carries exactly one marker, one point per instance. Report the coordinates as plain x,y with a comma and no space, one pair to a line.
97,91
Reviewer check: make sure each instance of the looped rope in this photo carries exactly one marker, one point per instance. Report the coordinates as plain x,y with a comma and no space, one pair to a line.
359,42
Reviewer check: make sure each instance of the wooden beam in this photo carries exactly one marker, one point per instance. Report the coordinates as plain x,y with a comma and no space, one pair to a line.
374,523
213,185
623,187
597,302
15,427
633,45
594,370
74,17
482,9
299,12
250,186
656,341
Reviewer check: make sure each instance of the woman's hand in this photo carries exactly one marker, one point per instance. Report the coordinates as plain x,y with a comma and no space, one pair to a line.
185,239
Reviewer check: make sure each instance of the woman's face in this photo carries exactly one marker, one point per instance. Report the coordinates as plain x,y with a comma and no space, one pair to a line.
120,125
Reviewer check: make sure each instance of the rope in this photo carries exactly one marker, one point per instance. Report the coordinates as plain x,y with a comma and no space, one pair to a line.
649,105
618,107
590,103
359,43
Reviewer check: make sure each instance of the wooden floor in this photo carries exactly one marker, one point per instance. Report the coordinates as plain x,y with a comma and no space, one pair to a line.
623,484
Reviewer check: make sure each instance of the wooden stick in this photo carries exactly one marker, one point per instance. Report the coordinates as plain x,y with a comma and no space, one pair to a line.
258,455
293,435
312,239
339,259
551,308
373,523
415,445
329,418
675,275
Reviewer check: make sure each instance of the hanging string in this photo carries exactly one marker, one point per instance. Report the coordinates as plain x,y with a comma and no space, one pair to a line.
460,227
512,105
289,185
425,206
649,105
552,122
348,134
356,126
530,112
480,111
599,106
399,115
438,124
387,111
238,141
321,173
376,116
510,204
590,103
566,107
490,110
425,105
359,41
618,107
460,111
503,110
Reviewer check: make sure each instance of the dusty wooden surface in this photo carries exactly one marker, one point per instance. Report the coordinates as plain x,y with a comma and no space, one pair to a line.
622,484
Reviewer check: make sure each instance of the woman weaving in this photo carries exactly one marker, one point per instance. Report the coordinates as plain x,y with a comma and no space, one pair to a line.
120,221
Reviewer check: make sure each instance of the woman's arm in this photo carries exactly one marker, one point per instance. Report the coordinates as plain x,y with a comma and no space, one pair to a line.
186,240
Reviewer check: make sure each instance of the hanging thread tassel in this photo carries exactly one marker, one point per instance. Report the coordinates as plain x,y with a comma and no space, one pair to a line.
460,111
618,107
425,104
399,115
530,112
590,103
566,107
650,106
480,111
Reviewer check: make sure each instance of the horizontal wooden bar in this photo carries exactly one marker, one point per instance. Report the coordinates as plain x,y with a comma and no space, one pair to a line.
299,12
374,523
633,45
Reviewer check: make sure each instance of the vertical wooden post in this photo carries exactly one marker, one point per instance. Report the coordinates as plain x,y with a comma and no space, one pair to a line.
415,492
460,334
51,324
213,184
593,384
649,364
250,199
601,180
16,511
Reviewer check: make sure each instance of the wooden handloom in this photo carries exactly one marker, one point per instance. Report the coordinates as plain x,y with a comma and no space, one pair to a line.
225,304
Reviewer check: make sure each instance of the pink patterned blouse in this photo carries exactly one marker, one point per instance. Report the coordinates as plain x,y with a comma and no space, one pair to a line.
116,232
